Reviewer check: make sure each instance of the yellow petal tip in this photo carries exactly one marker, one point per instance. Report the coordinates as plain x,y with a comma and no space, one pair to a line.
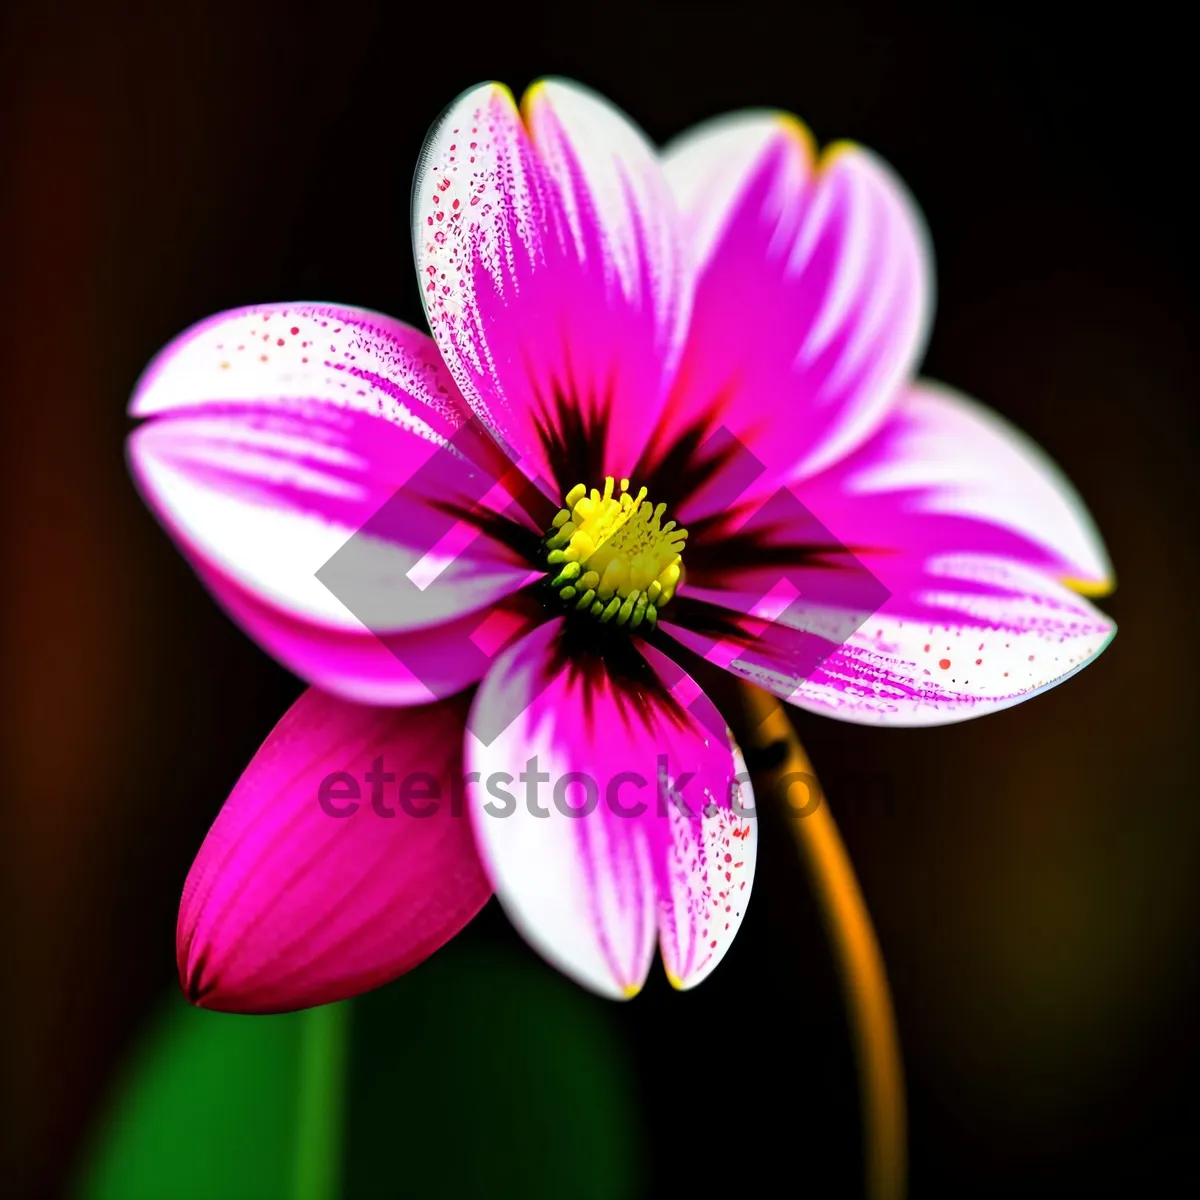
835,151
533,93
1093,588
631,990
801,132
674,981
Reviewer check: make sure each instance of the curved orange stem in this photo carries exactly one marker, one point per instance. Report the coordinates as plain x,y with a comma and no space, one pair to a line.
855,947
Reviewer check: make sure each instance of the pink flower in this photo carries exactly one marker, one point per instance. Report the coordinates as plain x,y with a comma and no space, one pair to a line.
733,325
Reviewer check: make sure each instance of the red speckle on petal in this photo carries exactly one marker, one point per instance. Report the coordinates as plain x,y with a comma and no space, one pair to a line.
978,661
295,329
279,342
944,663
926,647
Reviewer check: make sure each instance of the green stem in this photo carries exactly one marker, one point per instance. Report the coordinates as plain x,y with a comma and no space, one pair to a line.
324,1040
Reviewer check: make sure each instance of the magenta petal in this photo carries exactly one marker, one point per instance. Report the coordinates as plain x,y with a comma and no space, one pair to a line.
289,905
348,443
408,666
946,474
813,295
930,576
993,635
554,282
591,855
266,477
988,634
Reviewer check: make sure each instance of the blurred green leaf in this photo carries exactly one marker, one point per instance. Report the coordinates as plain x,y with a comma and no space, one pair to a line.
480,1073
486,1073
207,1107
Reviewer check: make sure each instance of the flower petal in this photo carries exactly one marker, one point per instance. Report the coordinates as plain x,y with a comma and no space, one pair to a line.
268,485
814,296
921,580
1002,635
283,354
594,851
407,666
322,516
290,904
554,285
705,890
985,635
947,474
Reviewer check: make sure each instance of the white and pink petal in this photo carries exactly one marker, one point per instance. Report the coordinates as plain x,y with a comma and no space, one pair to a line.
930,576
996,634
947,474
554,282
331,476
706,886
643,797
979,636
814,295
397,668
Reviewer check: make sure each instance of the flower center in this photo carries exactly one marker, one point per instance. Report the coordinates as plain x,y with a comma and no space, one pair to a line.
611,556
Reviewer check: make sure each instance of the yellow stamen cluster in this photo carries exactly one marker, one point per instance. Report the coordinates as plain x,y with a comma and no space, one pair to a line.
611,555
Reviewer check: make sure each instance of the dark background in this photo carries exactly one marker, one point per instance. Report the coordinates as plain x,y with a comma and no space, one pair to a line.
1033,878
